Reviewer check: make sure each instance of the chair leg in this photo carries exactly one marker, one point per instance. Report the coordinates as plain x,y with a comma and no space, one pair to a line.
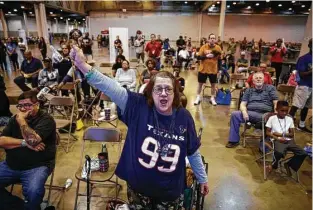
76,196
50,188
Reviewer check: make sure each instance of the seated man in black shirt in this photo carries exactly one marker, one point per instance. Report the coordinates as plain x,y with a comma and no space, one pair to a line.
30,144
29,69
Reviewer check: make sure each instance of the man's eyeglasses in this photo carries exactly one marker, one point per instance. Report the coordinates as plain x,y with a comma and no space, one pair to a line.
24,106
159,90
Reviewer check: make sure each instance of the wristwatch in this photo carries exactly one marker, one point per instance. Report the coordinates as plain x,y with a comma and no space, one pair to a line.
23,143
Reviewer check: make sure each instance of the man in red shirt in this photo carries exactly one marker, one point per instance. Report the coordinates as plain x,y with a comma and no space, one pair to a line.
278,51
154,49
267,77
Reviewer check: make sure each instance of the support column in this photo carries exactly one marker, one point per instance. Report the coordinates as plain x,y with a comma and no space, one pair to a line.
57,25
222,20
76,24
26,23
38,20
200,16
307,35
44,24
4,24
88,23
67,29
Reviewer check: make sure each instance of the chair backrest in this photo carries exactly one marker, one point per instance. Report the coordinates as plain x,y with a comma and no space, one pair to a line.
61,101
286,88
238,77
102,134
270,69
68,86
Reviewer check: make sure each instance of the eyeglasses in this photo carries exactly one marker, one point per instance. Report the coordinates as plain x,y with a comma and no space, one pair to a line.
159,90
25,106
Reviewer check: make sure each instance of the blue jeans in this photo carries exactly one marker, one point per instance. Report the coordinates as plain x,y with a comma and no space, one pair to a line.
236,119
33,183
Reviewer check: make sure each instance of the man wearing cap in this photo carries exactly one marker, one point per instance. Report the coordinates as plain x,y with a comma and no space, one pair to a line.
48,77
29,69
302,98
242,63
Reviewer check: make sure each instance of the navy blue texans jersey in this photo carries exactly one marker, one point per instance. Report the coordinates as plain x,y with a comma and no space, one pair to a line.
142,166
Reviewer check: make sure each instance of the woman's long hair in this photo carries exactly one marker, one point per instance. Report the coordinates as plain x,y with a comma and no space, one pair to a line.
149,89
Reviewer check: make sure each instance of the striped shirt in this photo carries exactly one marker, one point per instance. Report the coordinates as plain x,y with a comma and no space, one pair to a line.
260,100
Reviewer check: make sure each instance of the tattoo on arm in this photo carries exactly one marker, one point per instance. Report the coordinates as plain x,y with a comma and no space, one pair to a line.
30,136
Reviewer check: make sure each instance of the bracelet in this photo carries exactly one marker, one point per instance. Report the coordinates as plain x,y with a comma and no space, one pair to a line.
90,73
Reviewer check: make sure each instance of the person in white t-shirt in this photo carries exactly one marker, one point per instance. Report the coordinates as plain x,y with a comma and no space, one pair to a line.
280,129
126,77
184,56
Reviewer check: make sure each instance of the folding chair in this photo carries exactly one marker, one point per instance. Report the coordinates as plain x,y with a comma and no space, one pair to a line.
93,135
287,90
97,119
62,105
270,145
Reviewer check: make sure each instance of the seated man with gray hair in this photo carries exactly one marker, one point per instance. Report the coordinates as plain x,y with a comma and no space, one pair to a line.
255,102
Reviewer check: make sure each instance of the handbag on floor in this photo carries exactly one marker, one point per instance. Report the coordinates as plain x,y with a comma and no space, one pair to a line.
223,97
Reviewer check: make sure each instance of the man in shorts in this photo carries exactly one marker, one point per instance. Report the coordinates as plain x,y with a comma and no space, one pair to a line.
208,56
303,94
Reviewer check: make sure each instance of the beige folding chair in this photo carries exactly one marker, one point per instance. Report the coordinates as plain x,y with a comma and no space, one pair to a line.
97,119
62,109
101,179
287,91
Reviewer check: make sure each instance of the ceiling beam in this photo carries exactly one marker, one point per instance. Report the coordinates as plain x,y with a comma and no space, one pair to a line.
206,5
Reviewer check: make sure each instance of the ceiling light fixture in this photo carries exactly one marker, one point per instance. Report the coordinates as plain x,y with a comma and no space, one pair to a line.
30,13
280,5
249,7
1,2
218,2
9,12
22,7
68,19
61,18
267,0
234,3
83,18
15,10
51,13
257,4
61,10
186,2
309,9
228,6
293,2
55,18
303,5
213,5
290,8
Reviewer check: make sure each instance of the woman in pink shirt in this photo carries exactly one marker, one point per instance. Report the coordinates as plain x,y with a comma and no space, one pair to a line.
278,51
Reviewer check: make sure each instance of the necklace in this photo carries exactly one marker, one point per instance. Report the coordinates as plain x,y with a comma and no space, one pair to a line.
284,131
163,143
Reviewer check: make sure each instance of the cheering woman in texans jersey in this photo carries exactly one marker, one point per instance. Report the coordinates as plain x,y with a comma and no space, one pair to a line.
160,135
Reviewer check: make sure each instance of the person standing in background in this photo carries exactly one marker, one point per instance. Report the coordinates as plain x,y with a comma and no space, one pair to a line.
11,50
3,56
117,45
180,43
42,47
139,48
278,51
160,40
255,55
232,46
86,46
154,49
219,42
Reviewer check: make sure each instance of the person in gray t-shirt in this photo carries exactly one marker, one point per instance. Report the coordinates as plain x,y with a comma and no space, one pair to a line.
255,102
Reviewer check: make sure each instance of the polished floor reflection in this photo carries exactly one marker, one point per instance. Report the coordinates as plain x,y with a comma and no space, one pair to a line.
235,179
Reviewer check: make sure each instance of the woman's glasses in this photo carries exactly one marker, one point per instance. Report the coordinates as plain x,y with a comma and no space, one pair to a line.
159,90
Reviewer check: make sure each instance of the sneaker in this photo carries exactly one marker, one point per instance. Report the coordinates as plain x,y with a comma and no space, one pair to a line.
304,129
197,101
213,102
232,144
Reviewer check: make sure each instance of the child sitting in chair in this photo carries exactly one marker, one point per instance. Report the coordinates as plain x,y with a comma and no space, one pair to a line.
280,129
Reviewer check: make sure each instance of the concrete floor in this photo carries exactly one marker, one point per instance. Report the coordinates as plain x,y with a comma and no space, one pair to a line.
235,179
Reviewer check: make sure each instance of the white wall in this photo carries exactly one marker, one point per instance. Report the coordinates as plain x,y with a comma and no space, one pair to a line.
171,25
